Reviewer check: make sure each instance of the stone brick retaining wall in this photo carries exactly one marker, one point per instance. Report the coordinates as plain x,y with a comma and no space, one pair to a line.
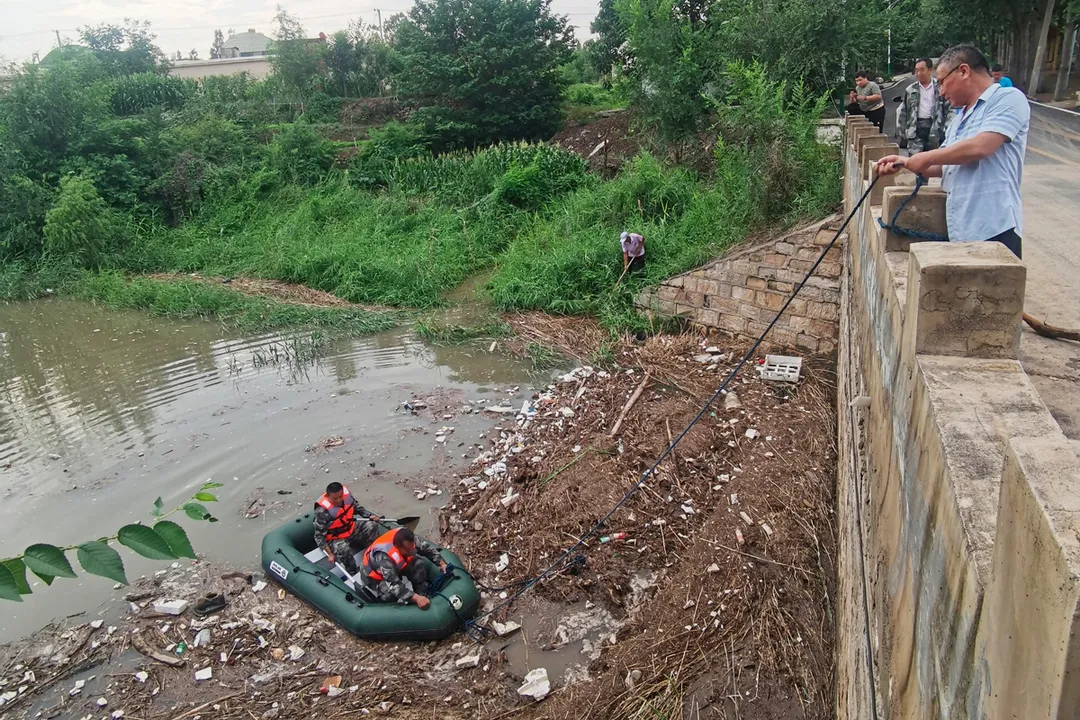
741,293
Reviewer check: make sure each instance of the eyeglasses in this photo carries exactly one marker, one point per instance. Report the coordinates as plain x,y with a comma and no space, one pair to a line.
941,81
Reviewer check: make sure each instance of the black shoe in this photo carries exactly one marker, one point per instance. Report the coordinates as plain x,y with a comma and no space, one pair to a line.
210,604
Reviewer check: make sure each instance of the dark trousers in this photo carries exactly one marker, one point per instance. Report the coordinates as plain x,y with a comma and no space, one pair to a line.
1011,240
877,117
636,266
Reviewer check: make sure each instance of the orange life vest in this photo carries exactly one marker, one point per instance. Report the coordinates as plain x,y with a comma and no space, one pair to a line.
342,522
385,543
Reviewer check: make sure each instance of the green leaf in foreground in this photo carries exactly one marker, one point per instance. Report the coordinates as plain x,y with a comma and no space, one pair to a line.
210,485
195,511
47,560
158,505
18,571
45,577
9,588
176,537
205,497
97,558
144,541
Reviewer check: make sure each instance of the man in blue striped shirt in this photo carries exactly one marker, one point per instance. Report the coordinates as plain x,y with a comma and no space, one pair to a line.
981,160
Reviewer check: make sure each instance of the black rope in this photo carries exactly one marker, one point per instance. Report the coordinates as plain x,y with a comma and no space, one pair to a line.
911,232
862,552
557,564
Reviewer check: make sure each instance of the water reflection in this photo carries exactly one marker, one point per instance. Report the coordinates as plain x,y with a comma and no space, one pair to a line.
102,411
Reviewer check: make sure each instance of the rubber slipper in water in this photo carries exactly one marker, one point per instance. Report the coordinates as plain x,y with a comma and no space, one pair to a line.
210,604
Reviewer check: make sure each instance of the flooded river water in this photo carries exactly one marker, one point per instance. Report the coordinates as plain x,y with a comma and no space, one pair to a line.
101,412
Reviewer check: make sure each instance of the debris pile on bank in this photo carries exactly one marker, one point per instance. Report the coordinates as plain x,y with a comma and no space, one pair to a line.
735,524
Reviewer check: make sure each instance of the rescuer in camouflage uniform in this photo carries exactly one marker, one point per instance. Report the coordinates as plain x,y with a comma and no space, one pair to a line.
393,572
342,526
922,127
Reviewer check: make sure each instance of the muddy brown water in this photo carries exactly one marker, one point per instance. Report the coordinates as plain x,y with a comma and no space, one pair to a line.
102,411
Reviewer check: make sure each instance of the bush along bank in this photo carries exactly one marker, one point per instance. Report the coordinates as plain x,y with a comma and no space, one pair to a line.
400,226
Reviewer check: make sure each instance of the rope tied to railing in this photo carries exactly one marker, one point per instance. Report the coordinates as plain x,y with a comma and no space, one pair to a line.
891,226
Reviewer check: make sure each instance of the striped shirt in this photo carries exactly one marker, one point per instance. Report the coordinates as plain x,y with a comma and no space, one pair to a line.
984,196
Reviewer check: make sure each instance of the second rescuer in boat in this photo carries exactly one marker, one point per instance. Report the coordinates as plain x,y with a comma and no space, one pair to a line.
394,573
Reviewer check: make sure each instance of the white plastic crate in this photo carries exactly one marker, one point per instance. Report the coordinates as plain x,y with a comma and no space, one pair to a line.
781,367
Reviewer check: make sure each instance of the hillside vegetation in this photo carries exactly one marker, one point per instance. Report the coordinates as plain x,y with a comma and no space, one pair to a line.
110,168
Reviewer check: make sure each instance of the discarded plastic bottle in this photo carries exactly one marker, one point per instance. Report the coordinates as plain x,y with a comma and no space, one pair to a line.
614,536
181,648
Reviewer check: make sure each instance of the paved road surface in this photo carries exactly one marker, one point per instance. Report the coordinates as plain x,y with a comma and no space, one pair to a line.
1051,190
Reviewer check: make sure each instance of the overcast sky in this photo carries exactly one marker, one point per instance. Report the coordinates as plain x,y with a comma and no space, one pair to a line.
28,26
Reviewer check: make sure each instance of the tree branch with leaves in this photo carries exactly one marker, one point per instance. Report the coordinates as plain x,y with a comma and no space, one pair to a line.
162,539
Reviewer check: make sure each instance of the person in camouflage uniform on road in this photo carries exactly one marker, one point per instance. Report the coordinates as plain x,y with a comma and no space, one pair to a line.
924,113
393,572
342,526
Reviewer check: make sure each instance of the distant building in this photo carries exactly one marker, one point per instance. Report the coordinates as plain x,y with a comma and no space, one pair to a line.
247,44
257,67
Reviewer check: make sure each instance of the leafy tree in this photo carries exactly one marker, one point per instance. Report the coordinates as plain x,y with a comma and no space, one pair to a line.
300,155
125,49
296,62
217,49
288,26
163,539
671,65
48,111
391,26
193,54
79,225
487,70
23,204
342,61
580,68
607,49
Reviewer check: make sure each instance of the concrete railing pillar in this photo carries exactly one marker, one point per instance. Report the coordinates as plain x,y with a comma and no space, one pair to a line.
878,193
871,154
925,212
873,139
860,131
964,299
1028,650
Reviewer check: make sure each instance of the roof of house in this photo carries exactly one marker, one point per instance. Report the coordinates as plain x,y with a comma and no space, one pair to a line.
249,42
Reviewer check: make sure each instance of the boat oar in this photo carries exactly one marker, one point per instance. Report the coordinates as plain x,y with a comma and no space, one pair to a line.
409,521
354,581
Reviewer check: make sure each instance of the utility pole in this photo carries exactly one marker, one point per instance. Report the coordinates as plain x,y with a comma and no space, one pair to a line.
381,35
58,42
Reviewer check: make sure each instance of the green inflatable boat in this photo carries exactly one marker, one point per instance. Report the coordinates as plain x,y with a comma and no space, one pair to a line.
290,557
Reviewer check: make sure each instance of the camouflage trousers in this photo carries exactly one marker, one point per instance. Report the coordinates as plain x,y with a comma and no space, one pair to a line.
363,534
415,578
922,140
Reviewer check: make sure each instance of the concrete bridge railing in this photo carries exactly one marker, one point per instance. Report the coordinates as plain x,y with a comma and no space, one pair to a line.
959,496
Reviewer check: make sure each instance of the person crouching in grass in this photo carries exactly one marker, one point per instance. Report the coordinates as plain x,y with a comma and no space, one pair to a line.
633,253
